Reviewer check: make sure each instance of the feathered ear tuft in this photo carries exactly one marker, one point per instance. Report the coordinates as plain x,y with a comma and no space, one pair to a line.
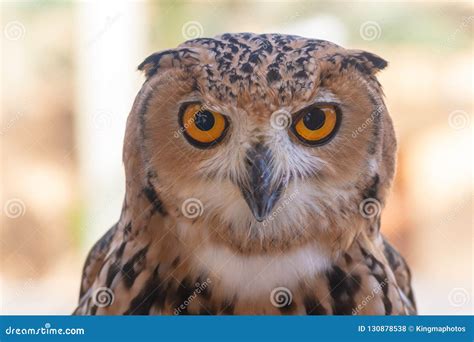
152,63
167,59
369,61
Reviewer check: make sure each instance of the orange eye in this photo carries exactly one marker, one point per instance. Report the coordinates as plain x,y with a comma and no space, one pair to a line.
317,124
202,127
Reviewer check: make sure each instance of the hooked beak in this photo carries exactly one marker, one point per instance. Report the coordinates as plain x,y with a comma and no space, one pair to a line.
260,193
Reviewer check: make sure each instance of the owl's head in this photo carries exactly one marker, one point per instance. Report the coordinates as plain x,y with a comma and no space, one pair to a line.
277,139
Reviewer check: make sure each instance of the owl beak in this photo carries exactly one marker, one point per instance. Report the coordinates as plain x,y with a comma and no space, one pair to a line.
260,191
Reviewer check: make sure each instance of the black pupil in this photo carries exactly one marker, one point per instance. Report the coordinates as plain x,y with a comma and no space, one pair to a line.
204,120
314,119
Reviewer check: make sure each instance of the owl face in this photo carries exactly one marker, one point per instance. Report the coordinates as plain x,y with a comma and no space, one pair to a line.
278,137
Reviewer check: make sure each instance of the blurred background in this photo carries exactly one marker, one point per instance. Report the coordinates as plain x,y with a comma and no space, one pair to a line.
68,80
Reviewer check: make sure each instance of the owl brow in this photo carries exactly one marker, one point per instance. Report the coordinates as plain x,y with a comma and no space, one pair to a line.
322,97
326,95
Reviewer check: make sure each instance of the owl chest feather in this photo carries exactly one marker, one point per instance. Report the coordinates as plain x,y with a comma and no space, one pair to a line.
163,276
254,276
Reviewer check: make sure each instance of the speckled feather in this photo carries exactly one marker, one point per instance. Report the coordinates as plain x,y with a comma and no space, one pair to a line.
332,259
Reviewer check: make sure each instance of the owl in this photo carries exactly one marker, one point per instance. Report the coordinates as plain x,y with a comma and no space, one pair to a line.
257,166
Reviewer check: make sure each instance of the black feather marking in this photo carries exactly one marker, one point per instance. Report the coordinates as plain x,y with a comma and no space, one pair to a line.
288,308
148,296
228,307
273,75
114,267
377,269
129,273
313,306
377,62
184,291
343,288
372,190
153,198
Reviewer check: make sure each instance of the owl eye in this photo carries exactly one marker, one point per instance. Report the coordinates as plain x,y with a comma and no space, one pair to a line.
317,124
202,127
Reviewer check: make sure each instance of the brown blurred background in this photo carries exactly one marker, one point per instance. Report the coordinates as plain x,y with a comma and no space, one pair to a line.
69,77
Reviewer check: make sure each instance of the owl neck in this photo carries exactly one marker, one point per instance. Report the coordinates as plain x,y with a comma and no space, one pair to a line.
175,247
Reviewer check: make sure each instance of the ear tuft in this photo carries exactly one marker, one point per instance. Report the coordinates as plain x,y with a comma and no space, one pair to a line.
376,61
370,61
168,59
151,64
